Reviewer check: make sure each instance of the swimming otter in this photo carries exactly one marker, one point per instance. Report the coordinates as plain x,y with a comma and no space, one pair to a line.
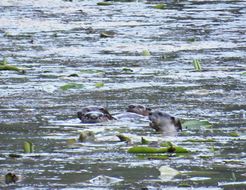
133,113
165,123
139,109
94,114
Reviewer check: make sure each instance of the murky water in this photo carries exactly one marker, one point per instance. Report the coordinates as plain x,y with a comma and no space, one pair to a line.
54,39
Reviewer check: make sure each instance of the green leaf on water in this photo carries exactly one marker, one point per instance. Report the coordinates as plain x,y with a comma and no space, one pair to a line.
124,138
91,71
200,140
244,73
160,6
72,86
107,34
233,134
152,150
71,141
197,65
104,3
196,124
144,141
127,70
99,84
146,53
28,147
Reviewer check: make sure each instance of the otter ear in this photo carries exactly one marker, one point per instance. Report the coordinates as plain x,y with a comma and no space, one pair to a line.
177,123
79,114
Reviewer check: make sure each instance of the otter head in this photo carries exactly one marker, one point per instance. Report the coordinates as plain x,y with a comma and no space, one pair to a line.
94,113
94,117
163,122
139,109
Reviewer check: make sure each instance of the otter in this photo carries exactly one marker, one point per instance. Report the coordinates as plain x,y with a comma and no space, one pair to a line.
164,123
134,112
94,114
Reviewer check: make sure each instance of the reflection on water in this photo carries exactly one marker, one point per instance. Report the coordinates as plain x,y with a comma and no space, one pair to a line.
58,42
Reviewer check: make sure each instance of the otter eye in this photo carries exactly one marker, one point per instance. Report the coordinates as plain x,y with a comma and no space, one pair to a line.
141,107
150,113
131,106
148,109
160,114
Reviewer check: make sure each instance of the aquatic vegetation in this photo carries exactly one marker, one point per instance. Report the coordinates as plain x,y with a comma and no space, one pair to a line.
104,3
191,39
160,6
91,71
107,34
233,134
152,150
197,64
28,147
244,73
200,140
86,136
166,144
196,124
71,141
127,70
73,75
4,65
153,156
124,138
146,53
99,84
71,86
167,173
184,184
144,141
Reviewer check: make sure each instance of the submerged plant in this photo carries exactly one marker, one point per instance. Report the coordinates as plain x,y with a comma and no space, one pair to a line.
197,65
5,66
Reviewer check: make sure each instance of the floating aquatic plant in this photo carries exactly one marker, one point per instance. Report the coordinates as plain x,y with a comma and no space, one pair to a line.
123,138
91,71
86,136
196,124
146,53
99,84
4,65
73,75
160,6
233,134
107,34
197,65
127,70
72,86
28,147
152,150
144,141
201,140
71,141
104,3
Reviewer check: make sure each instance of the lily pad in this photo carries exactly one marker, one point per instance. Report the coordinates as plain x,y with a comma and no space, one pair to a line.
28,147
71,86
99,84
104,3
160,6
196,124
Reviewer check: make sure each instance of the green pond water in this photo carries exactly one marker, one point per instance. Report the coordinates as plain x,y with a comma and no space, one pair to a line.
147,59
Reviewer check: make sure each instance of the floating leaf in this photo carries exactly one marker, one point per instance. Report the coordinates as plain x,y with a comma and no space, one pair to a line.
200,140
127,70
146,53
91,71
73,75
153,157
147,150
107,34
197,64
72,86
233,134
184,184
160,6
104,3
99,84
28,147
124,138
196,124
166,144
244,73
71,141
